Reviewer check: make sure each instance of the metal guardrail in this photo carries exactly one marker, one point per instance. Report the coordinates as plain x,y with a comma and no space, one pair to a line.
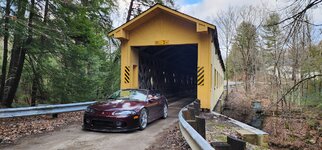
194,139
43,110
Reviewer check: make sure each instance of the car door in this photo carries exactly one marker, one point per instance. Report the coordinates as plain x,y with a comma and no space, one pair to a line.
152,106
159,107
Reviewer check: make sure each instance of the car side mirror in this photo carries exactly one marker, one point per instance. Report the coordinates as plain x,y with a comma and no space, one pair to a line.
151,100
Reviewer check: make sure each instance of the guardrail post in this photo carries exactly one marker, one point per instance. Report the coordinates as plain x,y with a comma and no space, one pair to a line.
192,113
220,145
193,123
196,105
236,144
201,126
186,114
193,138
54,115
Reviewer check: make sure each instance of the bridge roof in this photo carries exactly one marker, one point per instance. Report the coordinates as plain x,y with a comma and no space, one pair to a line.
154,10
158,8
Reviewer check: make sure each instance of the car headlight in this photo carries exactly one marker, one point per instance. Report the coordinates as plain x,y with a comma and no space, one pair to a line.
89,110
124,113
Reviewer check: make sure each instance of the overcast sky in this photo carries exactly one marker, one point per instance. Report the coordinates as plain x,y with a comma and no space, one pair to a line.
204,9
207,9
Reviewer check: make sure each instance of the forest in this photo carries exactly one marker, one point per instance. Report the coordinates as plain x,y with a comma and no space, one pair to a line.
277,56
57,51
270,49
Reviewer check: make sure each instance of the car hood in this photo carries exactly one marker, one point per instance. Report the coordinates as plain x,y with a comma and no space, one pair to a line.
116,105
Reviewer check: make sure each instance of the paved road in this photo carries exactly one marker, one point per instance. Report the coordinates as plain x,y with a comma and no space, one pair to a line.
73,137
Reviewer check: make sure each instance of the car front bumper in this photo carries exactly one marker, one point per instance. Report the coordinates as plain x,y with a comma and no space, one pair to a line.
110,124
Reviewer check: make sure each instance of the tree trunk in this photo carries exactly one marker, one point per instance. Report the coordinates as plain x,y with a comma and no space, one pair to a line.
5,51
15,51
17,62
34,92
247,84
36,82
320,85
129,13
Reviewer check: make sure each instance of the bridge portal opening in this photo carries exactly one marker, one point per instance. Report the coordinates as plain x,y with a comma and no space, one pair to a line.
170,69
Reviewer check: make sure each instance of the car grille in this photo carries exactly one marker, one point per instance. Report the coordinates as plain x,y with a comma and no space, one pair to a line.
107,124
103,124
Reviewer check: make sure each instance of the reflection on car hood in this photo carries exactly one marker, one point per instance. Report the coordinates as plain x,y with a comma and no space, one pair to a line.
115,105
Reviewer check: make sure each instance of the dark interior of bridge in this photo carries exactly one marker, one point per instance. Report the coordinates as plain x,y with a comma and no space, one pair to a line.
172,70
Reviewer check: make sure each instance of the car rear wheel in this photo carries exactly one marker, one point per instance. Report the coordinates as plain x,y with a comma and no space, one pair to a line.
143,119
165,111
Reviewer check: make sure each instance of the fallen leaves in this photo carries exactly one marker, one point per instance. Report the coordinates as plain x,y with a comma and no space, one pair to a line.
12,129
170,138
288,130
292,133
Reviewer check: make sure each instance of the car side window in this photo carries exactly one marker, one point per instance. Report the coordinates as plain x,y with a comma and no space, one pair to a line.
114,95
155,94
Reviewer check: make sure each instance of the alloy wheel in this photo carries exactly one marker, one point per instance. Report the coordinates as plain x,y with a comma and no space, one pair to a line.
143,119
165,111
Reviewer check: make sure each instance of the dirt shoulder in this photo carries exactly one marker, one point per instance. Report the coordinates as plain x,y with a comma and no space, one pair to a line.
13,129
170,138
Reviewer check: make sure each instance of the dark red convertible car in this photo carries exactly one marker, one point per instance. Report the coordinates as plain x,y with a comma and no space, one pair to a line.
126,110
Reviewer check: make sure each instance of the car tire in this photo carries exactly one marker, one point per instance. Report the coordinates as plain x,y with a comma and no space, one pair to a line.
143,120
165,111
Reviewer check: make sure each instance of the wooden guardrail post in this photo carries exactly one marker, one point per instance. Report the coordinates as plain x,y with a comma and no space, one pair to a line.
54,116
186,114
189,117
201,126
220,145
231,144
196,105
192,112
236,144
192,116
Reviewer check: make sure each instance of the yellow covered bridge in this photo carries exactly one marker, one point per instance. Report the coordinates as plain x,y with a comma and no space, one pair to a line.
172,52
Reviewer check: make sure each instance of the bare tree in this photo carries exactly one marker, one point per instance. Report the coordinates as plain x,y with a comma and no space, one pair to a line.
296,13
274,52
137,6
226,22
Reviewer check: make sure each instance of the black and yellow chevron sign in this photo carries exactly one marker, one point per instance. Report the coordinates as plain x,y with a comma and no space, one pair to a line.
127,74
200,76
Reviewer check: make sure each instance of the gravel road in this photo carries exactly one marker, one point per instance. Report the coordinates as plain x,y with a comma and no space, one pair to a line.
73,137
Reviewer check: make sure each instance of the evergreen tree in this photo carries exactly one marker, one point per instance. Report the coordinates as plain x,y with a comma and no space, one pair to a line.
60,52
245,46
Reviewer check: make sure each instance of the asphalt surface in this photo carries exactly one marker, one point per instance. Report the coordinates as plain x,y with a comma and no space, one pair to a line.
73,137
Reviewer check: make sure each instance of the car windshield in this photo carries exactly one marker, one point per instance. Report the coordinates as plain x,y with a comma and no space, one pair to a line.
129,94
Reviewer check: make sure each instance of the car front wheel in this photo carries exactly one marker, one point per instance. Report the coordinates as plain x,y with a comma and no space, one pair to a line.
143,119
165,111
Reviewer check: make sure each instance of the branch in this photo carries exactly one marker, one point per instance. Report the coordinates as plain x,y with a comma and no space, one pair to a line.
290,90
301,13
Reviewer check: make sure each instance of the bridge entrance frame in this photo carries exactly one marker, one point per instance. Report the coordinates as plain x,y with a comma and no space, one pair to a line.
162,26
